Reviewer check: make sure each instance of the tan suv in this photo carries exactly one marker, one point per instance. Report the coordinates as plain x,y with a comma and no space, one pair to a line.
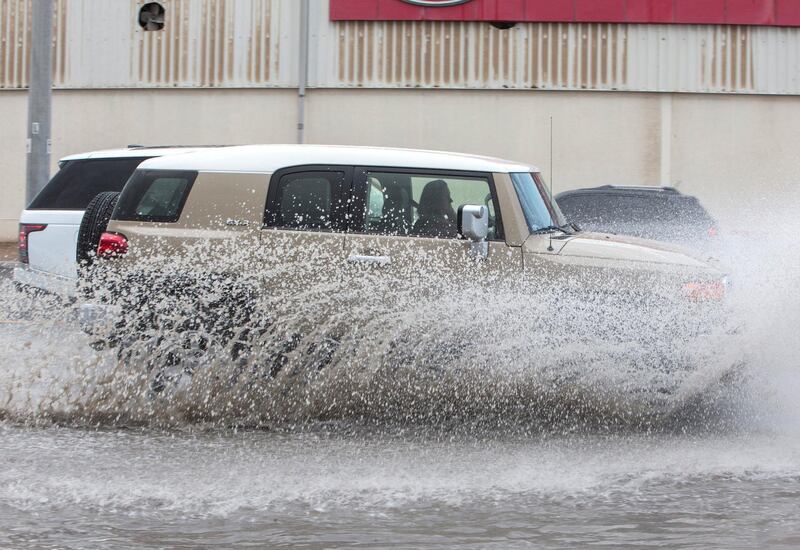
296,215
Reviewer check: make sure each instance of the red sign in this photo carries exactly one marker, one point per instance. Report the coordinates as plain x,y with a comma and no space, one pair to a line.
716,12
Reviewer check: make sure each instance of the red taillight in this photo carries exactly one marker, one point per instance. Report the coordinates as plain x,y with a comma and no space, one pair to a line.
112,245
712,231
705,291
26,229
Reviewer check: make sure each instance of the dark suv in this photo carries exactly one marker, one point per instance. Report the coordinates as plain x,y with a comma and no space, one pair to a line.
658,213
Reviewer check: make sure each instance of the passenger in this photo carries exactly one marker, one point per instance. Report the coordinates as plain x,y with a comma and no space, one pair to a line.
394,218
436,215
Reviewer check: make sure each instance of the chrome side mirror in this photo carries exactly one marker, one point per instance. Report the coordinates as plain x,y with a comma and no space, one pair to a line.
473,223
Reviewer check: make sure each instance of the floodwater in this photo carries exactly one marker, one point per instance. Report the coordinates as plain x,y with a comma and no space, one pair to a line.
115,488
91,457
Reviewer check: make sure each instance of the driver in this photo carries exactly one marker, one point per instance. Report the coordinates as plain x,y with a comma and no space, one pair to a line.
436,215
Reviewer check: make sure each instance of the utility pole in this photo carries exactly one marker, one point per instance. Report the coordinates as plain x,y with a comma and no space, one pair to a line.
39,97
302,69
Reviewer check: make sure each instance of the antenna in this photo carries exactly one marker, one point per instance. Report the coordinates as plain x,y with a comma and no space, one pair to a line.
550,206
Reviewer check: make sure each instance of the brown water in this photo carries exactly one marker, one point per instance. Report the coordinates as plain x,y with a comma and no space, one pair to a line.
328,489
90,459
76,481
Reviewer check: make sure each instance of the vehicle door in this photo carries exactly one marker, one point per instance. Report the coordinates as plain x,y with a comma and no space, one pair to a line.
304,222
404,224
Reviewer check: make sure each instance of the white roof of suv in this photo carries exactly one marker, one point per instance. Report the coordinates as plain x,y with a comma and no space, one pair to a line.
135,151
269,158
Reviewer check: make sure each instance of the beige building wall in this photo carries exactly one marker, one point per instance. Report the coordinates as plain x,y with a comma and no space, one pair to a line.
88,120
14,117
739,154
597,137
731,151
735,152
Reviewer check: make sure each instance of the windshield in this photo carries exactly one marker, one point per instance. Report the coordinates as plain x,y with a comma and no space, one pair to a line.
539,208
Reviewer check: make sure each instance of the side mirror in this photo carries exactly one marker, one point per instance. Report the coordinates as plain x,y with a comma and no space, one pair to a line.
473,223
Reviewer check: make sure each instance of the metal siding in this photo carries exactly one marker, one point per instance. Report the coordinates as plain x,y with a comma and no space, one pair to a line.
14,42
477,55
205,43
209,43
15,29
564,56
253,43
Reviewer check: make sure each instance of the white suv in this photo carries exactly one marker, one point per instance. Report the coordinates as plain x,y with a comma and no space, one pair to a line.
49,226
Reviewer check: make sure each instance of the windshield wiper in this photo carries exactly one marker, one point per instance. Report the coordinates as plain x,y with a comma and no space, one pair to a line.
566,228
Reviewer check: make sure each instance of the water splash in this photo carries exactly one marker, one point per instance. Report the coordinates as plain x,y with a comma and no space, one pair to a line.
294,338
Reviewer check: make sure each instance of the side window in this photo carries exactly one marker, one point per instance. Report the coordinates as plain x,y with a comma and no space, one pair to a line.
424,205
162,198
154,196
306,200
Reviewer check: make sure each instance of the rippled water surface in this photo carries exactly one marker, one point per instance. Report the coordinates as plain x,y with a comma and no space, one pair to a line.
323,488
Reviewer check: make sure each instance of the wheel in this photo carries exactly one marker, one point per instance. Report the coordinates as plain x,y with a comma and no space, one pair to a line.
176,360
94,223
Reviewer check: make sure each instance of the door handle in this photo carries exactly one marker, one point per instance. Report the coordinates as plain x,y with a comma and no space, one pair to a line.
364,259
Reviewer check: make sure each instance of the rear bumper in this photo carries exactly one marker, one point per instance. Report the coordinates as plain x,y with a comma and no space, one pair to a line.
41,280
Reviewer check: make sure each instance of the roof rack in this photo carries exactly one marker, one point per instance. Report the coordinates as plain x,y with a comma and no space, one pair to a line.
641,188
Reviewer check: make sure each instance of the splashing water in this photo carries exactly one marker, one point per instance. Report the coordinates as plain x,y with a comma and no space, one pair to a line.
305,341
444,412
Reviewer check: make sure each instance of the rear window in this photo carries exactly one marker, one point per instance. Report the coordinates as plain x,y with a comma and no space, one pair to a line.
79,181
154,196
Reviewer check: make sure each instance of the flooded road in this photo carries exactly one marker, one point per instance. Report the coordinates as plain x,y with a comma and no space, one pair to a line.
65,482
92,459
327,489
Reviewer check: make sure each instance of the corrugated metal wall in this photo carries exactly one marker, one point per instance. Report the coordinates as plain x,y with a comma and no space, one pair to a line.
566,56
15,42
214,43
477,55
253,43
570,56
99,44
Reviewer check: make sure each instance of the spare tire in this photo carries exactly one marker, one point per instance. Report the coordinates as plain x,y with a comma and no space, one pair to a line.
94,223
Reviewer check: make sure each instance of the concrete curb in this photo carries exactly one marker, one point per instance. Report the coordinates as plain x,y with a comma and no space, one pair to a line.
8,251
